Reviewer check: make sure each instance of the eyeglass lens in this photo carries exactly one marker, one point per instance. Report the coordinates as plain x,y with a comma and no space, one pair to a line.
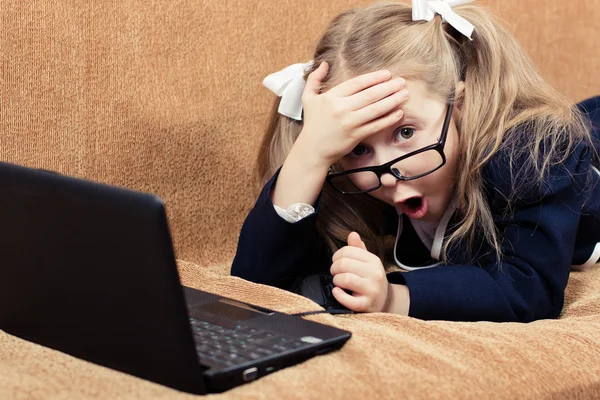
411,167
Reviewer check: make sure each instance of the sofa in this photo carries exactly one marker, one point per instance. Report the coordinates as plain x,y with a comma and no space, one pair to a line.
166,97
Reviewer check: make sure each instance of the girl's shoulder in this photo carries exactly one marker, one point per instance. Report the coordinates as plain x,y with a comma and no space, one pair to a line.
517,173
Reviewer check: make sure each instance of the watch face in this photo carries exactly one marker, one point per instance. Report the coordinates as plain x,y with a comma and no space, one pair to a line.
300,210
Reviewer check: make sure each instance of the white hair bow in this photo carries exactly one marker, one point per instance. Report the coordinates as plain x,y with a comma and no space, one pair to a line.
289,84
425,10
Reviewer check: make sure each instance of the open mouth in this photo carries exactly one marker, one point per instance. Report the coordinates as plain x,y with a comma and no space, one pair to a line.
414,203
414,207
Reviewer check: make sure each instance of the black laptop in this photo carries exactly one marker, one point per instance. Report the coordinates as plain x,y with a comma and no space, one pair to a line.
89,269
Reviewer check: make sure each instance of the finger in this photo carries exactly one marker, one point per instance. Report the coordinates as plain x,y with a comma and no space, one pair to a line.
383,107
315,79
375,93
378,125
361,82
354,303
355,241
349,265
350,281
353,252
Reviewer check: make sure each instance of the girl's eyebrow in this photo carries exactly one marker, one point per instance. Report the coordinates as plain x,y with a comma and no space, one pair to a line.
408,118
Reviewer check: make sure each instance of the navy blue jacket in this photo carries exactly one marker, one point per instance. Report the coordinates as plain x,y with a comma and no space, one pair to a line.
552,227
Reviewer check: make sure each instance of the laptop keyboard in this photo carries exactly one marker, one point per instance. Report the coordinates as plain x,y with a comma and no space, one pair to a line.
238,344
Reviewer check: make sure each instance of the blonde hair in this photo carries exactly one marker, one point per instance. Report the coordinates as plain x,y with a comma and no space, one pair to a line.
503,91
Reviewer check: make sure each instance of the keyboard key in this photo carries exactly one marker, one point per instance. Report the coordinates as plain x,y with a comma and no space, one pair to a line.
253,356
238,343
264,352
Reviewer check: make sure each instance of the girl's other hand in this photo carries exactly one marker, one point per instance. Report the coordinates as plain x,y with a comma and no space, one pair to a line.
356,269
338,120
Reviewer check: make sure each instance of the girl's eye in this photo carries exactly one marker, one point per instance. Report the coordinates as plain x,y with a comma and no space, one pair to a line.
404,134
358,151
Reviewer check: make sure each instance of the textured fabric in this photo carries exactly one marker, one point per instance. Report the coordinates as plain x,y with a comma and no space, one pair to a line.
388,356
166,96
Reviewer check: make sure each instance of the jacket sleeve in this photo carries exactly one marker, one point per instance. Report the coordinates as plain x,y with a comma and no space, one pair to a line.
538,237
275,252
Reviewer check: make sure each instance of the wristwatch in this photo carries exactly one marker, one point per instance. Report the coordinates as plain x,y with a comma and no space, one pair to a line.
295,212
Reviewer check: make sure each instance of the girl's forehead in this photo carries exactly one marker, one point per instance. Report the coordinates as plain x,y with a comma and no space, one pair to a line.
421,102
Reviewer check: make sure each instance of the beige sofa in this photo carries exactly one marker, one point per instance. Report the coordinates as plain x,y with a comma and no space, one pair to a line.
166,97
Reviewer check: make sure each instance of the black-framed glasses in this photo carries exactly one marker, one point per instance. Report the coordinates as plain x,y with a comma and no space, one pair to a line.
413,165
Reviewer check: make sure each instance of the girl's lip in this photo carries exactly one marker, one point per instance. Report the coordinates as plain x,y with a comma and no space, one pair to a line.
412,212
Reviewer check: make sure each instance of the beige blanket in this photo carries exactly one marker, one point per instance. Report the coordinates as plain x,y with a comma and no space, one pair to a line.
388,356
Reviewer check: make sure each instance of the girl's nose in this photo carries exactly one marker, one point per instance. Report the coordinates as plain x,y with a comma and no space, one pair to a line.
388,179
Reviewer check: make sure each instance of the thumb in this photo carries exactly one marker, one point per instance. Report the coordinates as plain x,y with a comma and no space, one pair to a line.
314,80
355,241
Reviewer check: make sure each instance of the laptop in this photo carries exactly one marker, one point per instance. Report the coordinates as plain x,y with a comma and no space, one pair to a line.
89,269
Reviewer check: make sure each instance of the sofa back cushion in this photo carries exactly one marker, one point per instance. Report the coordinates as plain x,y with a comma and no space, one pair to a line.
167,97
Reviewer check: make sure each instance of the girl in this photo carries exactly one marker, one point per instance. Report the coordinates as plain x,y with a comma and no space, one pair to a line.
424,138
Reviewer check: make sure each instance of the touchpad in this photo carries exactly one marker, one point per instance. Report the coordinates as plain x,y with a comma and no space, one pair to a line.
232,309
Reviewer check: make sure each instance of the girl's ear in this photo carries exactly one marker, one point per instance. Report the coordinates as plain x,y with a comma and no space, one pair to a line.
459,93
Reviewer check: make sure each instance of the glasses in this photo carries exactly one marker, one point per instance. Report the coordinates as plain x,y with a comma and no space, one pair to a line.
413,165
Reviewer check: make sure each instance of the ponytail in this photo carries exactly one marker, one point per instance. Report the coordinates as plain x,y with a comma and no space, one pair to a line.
506,106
